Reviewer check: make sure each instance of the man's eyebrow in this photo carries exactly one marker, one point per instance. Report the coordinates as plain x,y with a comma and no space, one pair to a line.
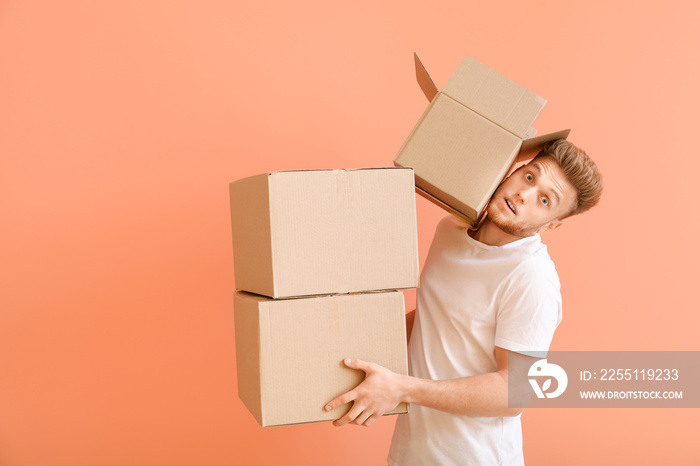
539,172
557,195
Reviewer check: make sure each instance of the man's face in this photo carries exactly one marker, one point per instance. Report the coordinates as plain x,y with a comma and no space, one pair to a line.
532,199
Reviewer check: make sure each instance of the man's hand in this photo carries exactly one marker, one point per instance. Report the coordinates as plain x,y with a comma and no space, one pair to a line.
378,394
477,395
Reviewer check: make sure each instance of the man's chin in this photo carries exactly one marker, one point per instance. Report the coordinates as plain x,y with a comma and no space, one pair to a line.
503,224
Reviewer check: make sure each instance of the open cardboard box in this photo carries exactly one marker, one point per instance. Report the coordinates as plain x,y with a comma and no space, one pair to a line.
315,232
470,137
289,352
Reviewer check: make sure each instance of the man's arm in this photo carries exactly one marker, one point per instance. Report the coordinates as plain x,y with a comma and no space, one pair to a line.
382,390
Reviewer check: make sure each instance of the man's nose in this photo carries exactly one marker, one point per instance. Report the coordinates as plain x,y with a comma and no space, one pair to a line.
523,194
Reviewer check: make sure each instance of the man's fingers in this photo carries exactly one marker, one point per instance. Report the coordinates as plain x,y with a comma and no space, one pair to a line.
340,400
358,364
370,420
342,421
357,413
351,395
362,418
349,417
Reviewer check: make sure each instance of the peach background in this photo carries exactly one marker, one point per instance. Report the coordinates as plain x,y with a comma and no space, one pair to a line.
121,124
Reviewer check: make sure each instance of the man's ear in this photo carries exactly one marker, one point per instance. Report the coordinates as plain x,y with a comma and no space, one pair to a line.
550,226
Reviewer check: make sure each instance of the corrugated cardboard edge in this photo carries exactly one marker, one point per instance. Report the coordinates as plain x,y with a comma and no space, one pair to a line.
329,170
401,408
247,329
266,354
416,274
249,198
274,246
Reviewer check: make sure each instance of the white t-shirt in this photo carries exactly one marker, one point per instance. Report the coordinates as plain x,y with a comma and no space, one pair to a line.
472,298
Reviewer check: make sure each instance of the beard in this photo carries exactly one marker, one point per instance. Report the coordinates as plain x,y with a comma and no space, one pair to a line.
506,225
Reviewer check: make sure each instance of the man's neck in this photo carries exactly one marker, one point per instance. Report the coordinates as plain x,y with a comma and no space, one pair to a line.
490,234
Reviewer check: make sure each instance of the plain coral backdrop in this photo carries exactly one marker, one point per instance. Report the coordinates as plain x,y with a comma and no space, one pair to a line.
122,123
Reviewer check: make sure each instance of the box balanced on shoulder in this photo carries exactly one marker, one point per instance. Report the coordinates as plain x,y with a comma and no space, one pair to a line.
470,136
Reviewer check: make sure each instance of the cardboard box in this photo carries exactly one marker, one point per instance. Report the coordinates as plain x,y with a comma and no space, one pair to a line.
314,232
289,352
470,137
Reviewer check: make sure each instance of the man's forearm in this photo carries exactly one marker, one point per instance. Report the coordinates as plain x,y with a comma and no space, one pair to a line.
479,395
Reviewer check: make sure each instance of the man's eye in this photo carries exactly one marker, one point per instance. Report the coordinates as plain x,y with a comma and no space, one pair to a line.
529,177
545,201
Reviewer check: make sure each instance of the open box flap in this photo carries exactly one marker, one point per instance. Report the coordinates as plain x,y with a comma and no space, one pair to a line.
530,147
426,84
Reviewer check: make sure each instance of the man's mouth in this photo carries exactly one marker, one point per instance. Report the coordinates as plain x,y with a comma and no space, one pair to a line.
510,206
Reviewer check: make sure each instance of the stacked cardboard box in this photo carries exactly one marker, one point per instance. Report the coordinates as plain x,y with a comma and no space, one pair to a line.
319,255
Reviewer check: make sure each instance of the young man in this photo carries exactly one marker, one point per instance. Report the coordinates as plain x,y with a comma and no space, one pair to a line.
485,294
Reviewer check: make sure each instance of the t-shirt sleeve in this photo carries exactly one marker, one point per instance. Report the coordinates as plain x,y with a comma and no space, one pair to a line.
529,309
